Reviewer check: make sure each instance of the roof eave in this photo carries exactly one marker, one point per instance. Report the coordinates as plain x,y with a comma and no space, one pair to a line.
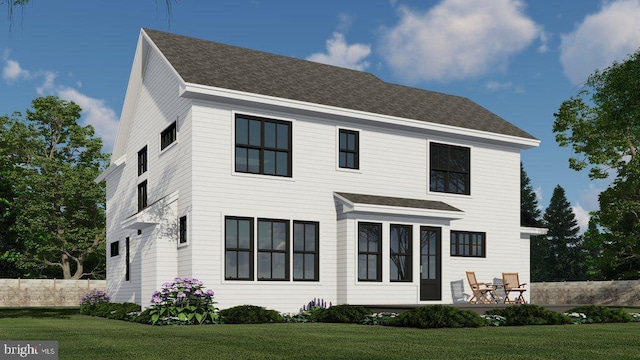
199,91
349,206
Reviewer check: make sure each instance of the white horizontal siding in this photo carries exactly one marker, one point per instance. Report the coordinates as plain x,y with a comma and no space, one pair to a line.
157,106
393,163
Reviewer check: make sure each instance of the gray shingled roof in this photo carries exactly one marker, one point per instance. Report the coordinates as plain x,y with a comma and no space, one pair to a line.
399,202
230,67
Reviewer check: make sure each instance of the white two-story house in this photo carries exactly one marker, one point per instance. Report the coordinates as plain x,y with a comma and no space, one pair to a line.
276,180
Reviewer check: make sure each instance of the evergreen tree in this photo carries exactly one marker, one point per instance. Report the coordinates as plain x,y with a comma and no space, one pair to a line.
528,200
564,259
530,215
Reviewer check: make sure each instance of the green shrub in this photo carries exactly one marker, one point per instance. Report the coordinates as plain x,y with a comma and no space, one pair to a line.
249,314
104,309
351,314
144,317
602,314
91,300
528,314
183,302
124,311
438,316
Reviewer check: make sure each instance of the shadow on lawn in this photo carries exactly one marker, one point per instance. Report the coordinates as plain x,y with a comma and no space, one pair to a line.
31,312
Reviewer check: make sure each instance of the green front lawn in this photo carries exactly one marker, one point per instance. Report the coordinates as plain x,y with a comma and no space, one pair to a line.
84,337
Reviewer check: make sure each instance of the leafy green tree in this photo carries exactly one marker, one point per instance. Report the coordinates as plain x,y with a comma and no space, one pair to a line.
8,242
602,125
59,210
563,253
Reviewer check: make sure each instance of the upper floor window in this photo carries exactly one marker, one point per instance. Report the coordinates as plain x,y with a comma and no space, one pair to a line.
449,169
400,240
183,230
142,195
168,136
263,146
142,161
349,149
369,252
465,243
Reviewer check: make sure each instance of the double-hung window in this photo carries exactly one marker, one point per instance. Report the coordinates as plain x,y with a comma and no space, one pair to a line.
400,243
142,195
305,251
142,161
349,145
273,249
450,169
369,251
262,146
238,248
465,243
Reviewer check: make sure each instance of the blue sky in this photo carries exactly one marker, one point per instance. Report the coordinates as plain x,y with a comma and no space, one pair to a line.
519,59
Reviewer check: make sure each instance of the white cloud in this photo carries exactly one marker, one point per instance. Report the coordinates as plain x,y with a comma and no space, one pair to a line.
339,53
345,22
12,71
496,85
538,192
96,113
458,39
611,34
544,38
582,216
48,83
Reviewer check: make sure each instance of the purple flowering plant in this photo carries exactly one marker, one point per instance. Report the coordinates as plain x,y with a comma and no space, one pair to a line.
183,301
91,300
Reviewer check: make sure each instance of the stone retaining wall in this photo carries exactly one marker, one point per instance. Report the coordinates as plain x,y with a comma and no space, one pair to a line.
45,292
618,293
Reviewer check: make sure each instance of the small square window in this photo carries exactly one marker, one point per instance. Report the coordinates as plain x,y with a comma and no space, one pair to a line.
168,136
115,248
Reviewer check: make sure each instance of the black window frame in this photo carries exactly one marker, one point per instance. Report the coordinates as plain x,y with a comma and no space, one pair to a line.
262,148
168,136
114,248
182,230
142,196
377,253
237,249
407,253
127,273
346,149
448,171
142,161
469,249
304,253
271,251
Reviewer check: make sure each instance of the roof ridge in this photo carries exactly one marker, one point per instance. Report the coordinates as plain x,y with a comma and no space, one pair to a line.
215,64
